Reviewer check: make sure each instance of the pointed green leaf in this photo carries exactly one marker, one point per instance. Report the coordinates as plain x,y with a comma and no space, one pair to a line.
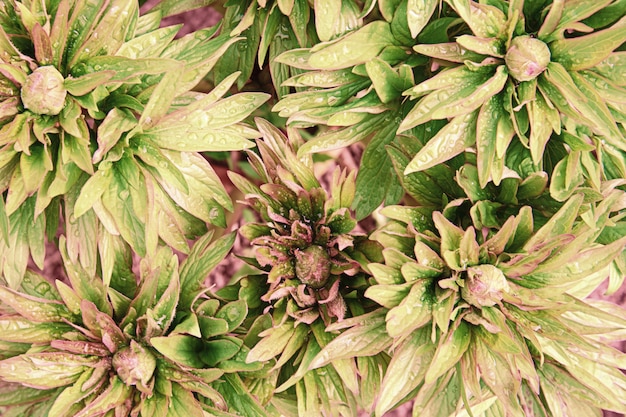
406,370
45,370
450,350
485,20
204,256
273,344
117,122
73,395
355,48
584,52
450,141
38,310
180,348
234,313
368,337
388,296
559,223
419,13
413,312
114,396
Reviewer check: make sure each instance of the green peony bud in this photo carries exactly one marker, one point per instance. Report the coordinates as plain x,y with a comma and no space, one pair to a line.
134,365
43,91
484,286
313,266
527,58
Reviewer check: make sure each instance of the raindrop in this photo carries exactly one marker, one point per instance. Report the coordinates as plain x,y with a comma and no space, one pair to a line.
202,35
232,314
42,288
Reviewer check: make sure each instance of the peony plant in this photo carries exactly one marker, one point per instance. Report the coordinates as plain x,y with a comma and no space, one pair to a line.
313,208
88,117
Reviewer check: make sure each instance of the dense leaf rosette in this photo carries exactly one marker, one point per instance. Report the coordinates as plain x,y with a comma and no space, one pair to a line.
307,242
316,269
145,349
97,120
551,86
492,318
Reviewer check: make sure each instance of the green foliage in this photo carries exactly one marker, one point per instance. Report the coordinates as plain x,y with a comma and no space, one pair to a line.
430,196
107,130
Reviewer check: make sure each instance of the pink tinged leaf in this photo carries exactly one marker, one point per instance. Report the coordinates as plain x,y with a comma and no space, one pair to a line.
337,308
80,347
45,370
114,396
38,310
333,293
450,350
307,316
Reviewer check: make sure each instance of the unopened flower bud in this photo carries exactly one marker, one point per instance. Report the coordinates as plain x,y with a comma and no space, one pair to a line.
134,364
43,91
313,266
527,58
484,286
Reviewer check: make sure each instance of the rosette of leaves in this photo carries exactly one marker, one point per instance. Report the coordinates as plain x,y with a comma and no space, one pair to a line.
351,89
152,347
316,273
491,319
96,102
550,83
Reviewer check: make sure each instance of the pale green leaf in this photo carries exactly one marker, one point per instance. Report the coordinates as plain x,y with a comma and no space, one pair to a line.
450,350
87,83
413,312
73,395
115,124
406,370
483,19
354,48
114,25
367,338
45,370
173,7
387,295
337,139
204,195
450,141
419,13
273,344
150,44
204,256
92,190
115,395
584,52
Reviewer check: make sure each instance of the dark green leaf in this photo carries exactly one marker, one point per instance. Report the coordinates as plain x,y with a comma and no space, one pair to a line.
179,348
